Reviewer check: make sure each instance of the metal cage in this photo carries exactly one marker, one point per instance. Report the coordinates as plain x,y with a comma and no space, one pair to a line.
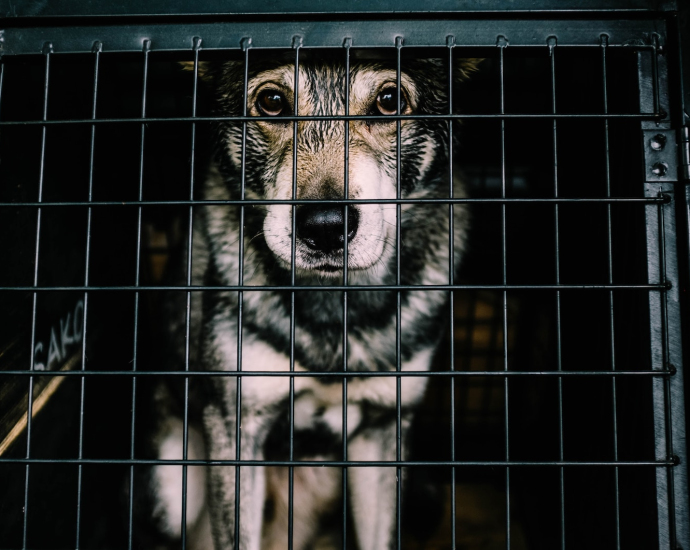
554,416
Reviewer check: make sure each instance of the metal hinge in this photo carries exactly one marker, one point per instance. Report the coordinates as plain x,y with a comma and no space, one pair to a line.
660,155
667,155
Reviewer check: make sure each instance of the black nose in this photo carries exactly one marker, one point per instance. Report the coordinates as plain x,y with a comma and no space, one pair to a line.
322,227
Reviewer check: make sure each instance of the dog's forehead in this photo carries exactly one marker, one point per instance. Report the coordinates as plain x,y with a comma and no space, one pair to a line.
283,75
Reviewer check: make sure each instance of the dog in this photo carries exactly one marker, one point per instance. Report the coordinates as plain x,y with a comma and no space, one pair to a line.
277,244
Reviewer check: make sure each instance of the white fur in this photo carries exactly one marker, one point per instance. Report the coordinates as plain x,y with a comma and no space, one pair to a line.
168,480
372,492
376,222
258,391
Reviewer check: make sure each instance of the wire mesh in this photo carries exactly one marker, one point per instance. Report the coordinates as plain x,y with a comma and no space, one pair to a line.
541,390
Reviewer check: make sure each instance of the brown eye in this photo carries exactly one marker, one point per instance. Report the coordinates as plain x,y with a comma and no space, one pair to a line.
271,103
387,101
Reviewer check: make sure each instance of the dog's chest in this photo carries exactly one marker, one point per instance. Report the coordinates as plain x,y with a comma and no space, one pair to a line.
313,412
317,429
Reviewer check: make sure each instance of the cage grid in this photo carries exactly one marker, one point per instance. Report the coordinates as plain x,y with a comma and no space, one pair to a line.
464,401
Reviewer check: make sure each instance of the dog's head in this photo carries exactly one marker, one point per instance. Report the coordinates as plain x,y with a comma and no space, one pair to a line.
323,160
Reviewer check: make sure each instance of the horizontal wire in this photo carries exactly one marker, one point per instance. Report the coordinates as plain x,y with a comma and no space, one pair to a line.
484,50
257,202
350,374
324,118
341,463
487,49
659,287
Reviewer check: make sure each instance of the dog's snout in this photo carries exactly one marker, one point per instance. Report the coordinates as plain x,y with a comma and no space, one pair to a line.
322,227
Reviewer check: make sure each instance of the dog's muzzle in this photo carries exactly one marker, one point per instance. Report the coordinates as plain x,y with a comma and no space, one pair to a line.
322,227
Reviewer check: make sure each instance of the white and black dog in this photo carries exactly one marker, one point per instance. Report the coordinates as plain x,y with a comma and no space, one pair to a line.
259,165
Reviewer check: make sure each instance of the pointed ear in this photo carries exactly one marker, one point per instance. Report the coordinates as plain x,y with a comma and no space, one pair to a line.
465,67
204,69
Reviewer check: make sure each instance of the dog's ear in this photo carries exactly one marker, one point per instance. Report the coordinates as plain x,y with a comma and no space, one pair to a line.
466,66
204,69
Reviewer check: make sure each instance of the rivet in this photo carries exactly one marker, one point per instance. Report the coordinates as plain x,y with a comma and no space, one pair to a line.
660,169
658,142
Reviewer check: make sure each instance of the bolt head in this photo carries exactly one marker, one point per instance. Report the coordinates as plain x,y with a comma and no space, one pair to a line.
660,169
658,142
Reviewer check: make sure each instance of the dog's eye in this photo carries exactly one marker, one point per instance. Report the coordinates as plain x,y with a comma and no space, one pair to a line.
387,101
271,103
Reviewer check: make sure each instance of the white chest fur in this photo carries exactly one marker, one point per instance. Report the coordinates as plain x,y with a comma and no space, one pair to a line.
319,401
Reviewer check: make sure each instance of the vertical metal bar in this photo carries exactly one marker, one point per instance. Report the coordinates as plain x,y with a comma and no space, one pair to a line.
146,48
97,48
347,44
663,422
450,43
666,364
398,331
668,420
2,78
502,43
469,350
551,42
47,51
196,45
672,415
246,45
676,384
612,357
655,76
665,318
296,44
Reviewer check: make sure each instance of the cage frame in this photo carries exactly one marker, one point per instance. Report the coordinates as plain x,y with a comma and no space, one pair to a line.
62,28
